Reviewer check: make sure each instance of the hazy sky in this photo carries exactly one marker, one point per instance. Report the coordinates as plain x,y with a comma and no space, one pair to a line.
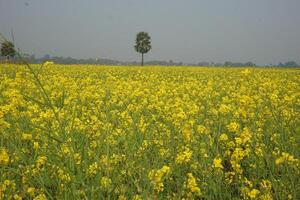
262,31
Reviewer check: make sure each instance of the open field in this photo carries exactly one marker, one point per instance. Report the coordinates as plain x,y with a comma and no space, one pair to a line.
88,132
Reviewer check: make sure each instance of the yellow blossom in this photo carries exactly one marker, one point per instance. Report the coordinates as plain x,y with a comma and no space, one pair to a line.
157,176
4,157
40,197
40,162
31,191
92,170
192,185
105,182
286,157
253,193
223,137
36,145
184,156
218,163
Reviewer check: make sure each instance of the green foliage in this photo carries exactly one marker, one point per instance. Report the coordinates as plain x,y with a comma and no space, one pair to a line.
8,49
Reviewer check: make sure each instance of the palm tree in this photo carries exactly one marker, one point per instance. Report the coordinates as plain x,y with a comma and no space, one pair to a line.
143,44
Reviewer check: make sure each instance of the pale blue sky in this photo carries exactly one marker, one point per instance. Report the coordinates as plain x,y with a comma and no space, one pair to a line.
262,31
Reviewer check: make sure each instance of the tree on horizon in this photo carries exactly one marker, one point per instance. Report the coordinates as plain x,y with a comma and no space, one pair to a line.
143,44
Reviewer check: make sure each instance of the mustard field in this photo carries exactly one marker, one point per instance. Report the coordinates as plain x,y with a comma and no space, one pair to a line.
100,132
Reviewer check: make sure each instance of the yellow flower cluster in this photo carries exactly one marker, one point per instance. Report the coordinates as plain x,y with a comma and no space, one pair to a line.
184,156
192,186
286,157
233,126
41,161
4,158
105,182
157,177
218,163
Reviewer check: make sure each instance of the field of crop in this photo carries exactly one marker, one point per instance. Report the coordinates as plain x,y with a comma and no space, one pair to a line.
95,132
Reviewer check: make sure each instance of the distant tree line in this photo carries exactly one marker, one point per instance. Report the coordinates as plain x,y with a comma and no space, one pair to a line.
289,64
143,46
103,61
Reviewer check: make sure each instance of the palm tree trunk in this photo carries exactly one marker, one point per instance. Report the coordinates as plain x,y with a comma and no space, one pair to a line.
142,59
